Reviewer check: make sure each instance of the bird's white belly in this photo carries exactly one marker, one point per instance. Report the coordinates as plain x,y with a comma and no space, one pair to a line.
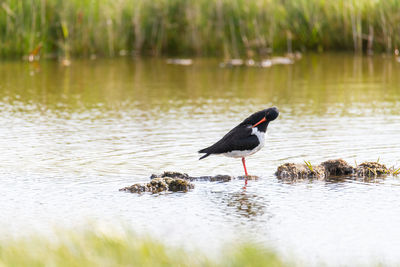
246,153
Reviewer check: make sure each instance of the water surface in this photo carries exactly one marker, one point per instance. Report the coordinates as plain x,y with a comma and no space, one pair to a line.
71,137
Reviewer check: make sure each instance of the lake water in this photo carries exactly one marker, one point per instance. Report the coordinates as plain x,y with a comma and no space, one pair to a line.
71,137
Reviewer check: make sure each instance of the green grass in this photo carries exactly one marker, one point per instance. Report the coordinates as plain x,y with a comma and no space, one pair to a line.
228,28
394,171
309,165
92,249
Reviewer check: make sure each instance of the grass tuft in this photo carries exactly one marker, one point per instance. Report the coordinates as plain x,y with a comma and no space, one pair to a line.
309,165
394,171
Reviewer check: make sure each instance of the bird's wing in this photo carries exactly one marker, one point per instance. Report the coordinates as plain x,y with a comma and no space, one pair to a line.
239,138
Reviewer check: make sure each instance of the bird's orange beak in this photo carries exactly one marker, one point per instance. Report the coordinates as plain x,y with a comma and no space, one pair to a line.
261,121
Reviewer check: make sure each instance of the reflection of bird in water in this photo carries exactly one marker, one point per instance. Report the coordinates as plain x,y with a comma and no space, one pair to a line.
247,205
245,139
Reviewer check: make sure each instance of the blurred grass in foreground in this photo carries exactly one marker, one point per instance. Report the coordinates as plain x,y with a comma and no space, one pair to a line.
229,28
90,249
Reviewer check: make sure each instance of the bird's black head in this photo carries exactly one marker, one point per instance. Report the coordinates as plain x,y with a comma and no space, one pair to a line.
262,118
271,114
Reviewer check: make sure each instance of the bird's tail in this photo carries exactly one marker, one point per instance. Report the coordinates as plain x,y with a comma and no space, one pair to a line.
204,156
204,151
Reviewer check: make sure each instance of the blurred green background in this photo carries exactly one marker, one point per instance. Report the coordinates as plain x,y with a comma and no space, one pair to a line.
224,28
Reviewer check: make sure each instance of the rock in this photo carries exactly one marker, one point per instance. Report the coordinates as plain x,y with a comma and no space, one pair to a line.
249,177
171,174
295,171
177,184
371,169
158,185
337,167
174,182
136,188
216,178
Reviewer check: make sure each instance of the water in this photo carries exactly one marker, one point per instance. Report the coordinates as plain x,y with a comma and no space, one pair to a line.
71,137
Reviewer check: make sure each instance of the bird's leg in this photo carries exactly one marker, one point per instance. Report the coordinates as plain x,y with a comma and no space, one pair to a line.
244,166
245,171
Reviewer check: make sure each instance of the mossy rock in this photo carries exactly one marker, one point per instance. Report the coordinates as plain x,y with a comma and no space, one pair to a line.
135,188
331,169
371,169
158,185
171,175
337,167
177,184
296,171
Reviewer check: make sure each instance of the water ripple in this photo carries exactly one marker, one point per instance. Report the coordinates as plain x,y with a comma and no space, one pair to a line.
66,153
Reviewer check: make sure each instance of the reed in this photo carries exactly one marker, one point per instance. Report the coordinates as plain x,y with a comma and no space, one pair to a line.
228,28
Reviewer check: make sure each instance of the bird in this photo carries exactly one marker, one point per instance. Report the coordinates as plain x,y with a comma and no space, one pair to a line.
245,139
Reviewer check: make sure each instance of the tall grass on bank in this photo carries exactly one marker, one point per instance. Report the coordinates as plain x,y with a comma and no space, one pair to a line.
90,249
227,28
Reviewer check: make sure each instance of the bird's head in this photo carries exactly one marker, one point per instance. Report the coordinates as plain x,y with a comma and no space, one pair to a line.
269,114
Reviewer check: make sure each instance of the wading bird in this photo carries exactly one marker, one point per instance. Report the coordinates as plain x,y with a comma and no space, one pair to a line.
245,139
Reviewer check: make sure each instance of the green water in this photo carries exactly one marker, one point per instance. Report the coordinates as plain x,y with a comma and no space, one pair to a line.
316,82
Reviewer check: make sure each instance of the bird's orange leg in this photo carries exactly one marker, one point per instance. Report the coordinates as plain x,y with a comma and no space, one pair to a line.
245,171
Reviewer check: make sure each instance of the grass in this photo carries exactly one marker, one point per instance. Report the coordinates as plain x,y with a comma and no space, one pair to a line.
93,249
227,28
394,171
309,165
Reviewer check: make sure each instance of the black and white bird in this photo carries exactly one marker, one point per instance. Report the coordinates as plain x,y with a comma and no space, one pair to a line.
245,139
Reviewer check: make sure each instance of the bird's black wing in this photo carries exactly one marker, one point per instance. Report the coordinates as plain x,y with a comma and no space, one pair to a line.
239,138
